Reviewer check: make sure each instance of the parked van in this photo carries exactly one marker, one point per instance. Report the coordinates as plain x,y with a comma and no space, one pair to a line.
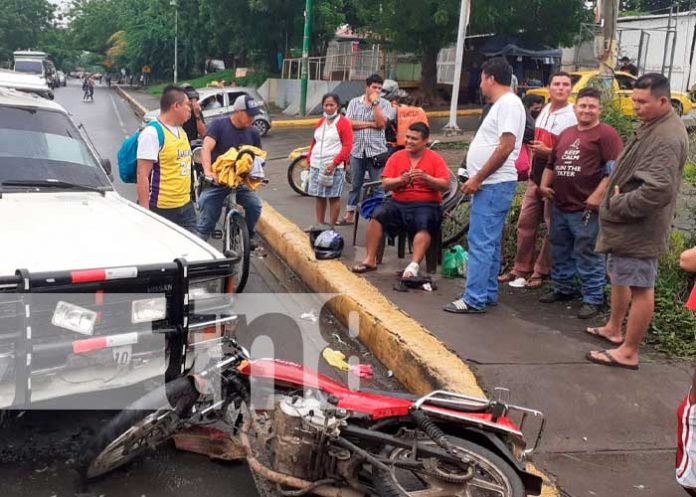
33,62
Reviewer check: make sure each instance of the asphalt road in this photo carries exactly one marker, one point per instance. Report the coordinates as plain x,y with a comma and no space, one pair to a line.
38,450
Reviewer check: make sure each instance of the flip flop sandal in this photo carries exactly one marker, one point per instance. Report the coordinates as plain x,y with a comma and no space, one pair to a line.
363,268
507,277
534,282
610,361
343,222
595,333
460,307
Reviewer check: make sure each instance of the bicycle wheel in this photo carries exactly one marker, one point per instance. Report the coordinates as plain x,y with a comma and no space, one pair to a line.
236,242
298,175
455,220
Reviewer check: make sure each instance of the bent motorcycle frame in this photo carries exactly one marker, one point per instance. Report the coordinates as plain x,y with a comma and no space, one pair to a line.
485,418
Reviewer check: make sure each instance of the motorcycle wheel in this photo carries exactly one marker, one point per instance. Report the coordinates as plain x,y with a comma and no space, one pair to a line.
455,220
492,476
236,241
138,428
295,173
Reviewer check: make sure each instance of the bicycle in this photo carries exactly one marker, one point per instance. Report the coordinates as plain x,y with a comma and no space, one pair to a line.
234,232
456,208
298,171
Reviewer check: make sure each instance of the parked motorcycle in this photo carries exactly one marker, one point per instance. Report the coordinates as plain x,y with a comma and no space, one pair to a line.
303,433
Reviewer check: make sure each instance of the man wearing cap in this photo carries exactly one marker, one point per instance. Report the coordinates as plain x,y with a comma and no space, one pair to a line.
195,126
223,134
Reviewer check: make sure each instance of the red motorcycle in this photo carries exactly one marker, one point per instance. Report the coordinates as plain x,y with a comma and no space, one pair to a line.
303,433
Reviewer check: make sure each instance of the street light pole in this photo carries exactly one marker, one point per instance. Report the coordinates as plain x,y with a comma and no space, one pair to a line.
452,126
176,39
305,57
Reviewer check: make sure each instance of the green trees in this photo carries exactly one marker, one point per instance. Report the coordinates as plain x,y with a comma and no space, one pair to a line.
23,24
134,33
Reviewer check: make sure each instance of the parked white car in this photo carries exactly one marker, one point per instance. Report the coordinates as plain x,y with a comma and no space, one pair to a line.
29,83
93,288
216,102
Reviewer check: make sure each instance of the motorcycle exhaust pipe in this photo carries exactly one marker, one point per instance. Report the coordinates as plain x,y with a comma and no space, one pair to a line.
287,480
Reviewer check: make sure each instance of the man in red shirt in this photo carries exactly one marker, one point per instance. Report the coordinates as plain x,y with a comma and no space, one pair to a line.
417,176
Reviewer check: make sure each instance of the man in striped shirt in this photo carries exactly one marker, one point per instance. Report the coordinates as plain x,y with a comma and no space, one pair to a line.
369,115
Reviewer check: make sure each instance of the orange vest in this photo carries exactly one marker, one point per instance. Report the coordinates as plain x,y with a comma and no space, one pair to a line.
405,116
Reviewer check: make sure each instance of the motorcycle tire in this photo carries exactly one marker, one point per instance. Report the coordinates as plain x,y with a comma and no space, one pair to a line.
236,240
95,460
388,486
455,220
295,170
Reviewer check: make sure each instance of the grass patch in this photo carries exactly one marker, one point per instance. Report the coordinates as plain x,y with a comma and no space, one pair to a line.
673,327
253,79
689,175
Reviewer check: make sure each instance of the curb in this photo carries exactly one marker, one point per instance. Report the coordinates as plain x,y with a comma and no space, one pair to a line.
297,123
309,122
139,110
419,360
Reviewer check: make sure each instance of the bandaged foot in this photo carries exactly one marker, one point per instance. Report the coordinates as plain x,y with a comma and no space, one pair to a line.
411,270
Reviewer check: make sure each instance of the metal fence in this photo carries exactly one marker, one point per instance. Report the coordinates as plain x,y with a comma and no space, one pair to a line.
355,66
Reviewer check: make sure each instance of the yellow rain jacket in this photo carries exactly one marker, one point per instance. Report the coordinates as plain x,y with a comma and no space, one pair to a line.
233,170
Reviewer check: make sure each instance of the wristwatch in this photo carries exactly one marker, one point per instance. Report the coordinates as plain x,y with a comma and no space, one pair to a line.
376,102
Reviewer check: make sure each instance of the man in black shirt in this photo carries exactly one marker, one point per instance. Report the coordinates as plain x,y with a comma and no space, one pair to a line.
195,126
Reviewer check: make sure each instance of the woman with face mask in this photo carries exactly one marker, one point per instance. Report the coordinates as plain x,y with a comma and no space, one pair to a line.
329,153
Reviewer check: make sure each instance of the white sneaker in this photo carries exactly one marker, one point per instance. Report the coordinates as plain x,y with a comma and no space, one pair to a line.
518,282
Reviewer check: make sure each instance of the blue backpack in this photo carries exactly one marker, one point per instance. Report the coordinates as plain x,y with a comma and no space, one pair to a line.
128,153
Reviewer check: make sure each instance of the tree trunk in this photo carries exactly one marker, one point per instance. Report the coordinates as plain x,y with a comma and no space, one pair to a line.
429,73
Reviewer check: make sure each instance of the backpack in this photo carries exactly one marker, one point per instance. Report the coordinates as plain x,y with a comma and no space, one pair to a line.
128,153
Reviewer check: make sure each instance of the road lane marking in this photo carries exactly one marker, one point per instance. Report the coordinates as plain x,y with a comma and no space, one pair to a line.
118,116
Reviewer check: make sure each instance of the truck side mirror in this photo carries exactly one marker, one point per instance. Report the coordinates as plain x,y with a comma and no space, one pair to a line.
106,166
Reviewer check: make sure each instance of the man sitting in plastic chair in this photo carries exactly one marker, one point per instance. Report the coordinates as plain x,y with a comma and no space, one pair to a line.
416,176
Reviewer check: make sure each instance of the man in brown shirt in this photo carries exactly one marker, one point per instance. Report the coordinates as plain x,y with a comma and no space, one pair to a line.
636,218
577,169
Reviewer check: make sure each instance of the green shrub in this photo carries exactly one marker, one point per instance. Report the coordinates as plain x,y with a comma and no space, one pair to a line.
689,175
613,116
673,327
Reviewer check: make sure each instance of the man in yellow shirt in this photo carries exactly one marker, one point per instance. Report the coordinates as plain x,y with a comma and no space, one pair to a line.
164,173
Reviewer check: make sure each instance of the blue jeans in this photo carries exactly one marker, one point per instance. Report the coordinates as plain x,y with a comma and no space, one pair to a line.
489,209
357,171
573,253
212,200
184,216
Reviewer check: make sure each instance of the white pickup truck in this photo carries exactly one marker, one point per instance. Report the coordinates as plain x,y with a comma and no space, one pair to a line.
95,292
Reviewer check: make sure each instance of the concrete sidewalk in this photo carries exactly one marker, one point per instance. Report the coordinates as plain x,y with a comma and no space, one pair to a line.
610,433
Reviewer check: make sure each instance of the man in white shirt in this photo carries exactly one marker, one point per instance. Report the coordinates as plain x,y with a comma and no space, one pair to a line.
490,164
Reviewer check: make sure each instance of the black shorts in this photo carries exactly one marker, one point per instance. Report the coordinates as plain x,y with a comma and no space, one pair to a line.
411,217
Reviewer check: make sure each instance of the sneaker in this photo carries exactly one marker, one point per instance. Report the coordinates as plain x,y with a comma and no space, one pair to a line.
254,243
552,297
588,311
518,282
